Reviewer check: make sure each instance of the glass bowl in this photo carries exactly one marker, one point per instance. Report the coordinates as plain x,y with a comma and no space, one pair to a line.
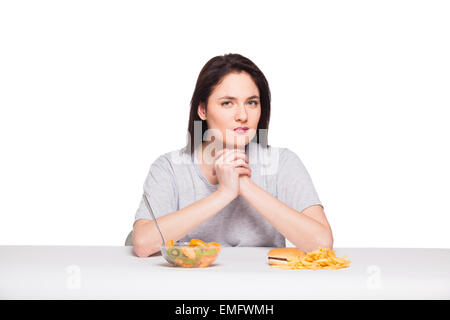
182,254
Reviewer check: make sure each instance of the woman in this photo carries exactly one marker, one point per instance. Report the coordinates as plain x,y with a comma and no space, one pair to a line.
227,185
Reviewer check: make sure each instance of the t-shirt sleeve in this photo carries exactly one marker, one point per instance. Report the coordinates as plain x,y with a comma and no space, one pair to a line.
160,188
294,184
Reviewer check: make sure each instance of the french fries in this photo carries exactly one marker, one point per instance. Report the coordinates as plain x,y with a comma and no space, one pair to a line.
323,258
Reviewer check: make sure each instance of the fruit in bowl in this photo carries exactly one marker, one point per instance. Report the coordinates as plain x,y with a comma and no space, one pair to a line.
193,254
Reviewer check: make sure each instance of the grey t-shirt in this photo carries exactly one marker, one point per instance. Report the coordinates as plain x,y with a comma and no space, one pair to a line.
175,181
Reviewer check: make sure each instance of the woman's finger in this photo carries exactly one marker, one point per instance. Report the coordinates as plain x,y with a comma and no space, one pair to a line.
242,171
236,163
239,162
227,156
225,151
235,155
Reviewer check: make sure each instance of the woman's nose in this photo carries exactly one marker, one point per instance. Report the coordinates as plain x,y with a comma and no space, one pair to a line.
241,113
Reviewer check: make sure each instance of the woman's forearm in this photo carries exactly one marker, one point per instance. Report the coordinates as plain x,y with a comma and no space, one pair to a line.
177,224
304,232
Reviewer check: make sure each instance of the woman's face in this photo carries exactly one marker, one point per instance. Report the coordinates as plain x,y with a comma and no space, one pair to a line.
233,104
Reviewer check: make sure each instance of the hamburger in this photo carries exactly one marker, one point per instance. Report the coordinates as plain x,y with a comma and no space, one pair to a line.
280,256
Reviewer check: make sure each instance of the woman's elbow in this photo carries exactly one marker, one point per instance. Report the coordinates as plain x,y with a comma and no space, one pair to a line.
140,251
142,248
326,241
144,251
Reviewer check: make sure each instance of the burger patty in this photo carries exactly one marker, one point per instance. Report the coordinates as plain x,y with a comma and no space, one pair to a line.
282,259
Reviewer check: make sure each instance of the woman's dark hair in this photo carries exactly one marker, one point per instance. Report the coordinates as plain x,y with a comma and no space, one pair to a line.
210,75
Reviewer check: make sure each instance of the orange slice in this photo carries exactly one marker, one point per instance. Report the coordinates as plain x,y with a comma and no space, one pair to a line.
214,244
197,243
169,244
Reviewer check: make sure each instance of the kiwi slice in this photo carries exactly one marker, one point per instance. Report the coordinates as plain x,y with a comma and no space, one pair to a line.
174,252
210,252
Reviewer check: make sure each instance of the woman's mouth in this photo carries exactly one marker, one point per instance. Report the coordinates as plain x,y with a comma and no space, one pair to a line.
241,130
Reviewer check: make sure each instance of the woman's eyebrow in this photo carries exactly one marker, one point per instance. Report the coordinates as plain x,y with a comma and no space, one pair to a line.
232,98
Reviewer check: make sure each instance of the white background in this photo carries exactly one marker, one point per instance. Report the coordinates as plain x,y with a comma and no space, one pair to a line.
92,92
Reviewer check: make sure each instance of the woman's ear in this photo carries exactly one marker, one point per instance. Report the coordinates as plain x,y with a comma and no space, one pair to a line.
201,111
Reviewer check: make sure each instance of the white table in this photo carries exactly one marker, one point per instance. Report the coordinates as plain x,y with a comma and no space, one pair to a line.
91,272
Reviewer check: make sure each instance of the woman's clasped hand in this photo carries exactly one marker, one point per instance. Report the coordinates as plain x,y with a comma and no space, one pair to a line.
229,165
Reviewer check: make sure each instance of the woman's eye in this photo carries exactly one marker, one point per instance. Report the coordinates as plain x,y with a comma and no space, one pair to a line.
228,103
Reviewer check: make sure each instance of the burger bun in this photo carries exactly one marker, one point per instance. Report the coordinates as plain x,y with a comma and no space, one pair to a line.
280,256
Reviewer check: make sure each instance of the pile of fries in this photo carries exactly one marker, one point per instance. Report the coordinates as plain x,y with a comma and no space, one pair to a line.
323,258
